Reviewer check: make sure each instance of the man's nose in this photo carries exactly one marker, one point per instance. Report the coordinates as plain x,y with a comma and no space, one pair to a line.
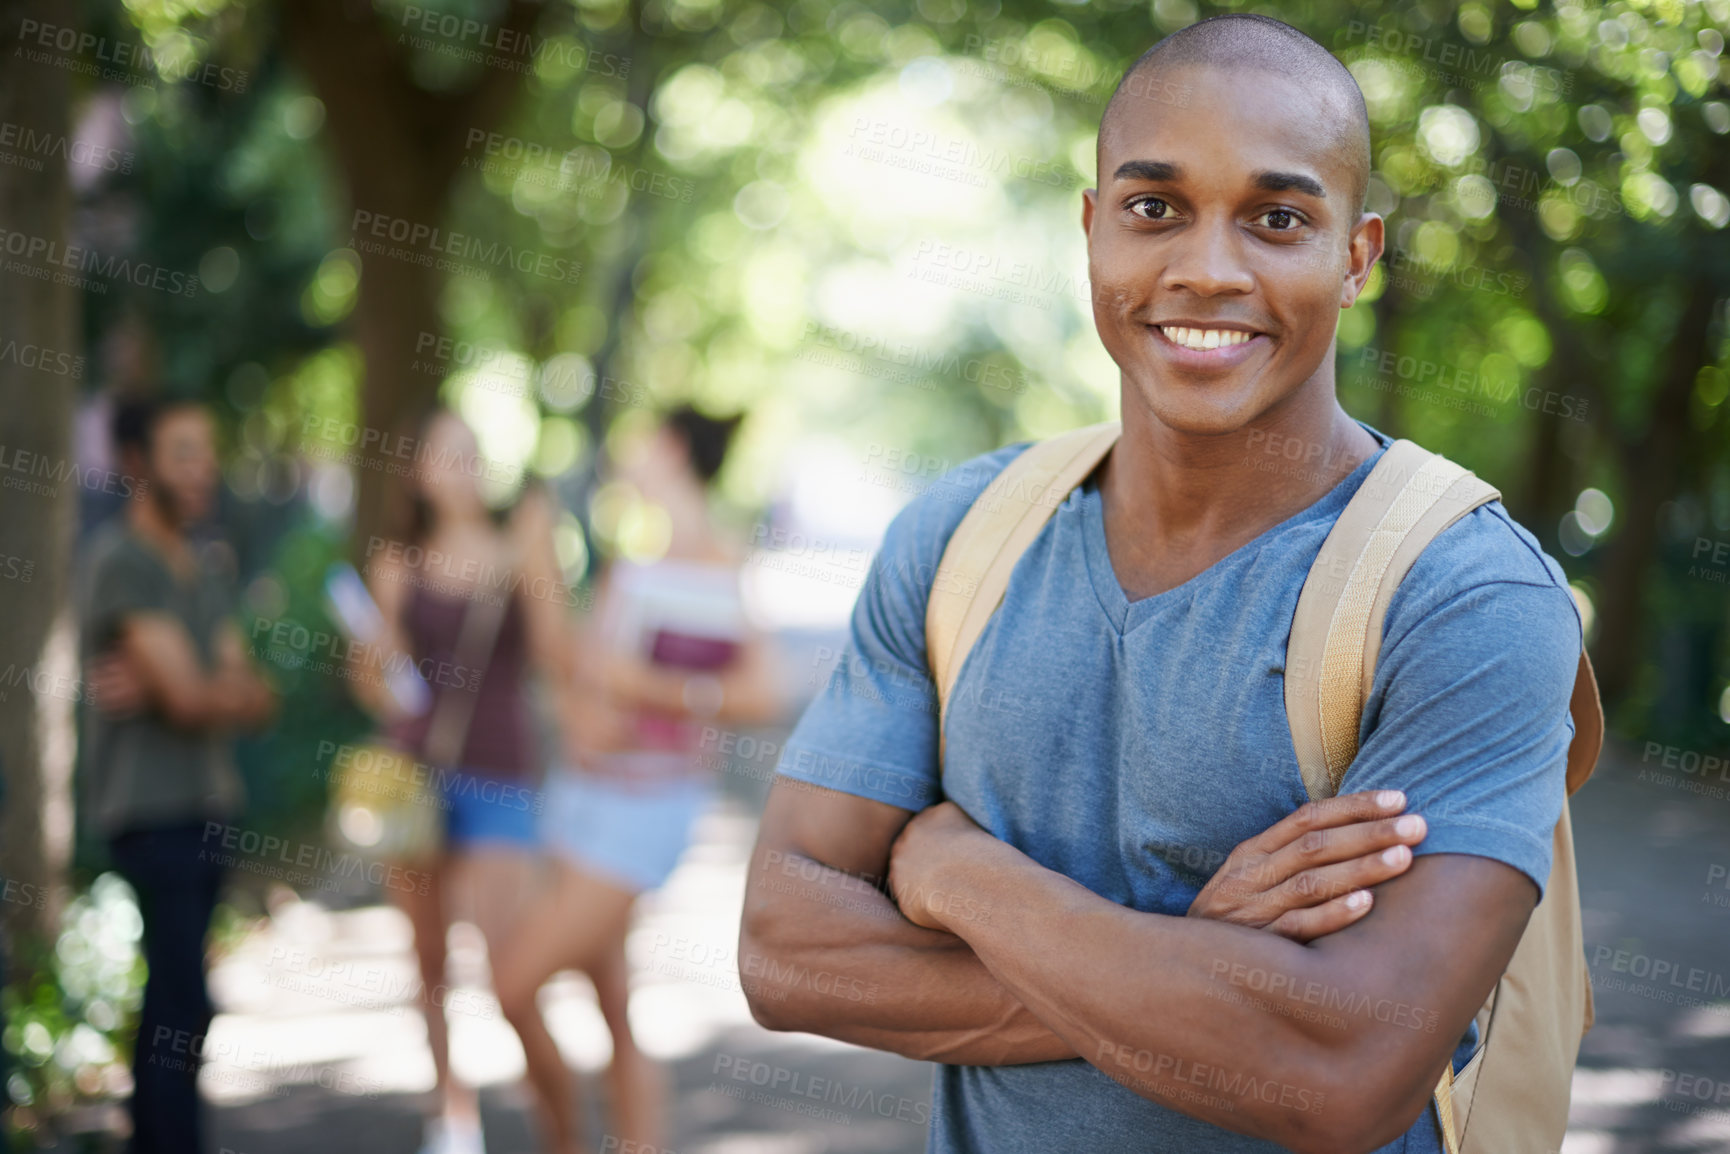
1208,259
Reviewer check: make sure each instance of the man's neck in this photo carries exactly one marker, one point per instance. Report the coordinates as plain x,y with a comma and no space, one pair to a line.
1175,503
149,522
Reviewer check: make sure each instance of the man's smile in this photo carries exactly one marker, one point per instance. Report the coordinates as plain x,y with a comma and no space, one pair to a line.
1207,344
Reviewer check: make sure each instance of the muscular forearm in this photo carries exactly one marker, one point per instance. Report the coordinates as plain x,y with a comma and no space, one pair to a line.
180,689
827,953
1239,1027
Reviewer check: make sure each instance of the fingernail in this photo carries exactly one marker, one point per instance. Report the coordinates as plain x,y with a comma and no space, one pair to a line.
1390,799
1395,855
1358,900
1409,825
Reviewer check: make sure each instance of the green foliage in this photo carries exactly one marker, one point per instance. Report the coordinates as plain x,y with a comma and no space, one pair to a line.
286,770
859,223
754,230
70,1021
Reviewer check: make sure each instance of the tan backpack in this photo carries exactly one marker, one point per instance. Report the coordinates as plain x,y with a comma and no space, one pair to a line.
1512,1096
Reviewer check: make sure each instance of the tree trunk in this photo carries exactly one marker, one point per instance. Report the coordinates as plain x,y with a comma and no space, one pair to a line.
38,502
396,303
619,298
1545,492
1546,481
399,147
1390,310
1652,465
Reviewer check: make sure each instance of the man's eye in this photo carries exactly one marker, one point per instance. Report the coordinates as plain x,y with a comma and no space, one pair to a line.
1149,208
1281,219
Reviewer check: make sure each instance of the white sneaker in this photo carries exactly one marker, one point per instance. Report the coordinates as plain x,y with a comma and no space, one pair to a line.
448,1135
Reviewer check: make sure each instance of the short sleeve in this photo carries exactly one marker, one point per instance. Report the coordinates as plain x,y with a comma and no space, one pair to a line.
873,730
125,582
1468,713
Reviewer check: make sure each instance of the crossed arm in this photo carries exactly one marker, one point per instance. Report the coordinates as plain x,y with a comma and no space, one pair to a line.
156,666
1005,962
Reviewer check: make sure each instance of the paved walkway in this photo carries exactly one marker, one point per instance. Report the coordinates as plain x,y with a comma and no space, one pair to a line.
320,1049
1654,1072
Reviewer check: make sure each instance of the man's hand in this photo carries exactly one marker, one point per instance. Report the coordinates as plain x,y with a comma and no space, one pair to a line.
917,859
178,688
1308,875
114,687
1303,878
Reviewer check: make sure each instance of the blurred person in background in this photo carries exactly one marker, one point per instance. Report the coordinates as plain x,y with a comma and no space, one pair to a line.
666,652
453,557
170,680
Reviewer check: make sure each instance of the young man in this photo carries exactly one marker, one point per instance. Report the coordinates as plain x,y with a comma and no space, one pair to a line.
170,678
1120,725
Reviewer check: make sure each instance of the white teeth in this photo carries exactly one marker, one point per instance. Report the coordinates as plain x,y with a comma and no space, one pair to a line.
1204,339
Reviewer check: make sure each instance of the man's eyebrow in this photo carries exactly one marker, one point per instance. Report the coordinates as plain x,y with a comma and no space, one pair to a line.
1266,180
1148,170
1283,181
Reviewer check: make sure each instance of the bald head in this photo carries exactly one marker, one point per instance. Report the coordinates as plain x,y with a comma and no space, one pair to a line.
1246,43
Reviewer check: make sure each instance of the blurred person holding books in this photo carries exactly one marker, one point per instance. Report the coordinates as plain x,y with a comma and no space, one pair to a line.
667,650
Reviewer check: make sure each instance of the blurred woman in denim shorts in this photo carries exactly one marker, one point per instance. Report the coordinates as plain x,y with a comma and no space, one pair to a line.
451,557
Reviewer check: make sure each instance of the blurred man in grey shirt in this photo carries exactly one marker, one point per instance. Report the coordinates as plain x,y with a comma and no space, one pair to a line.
169,674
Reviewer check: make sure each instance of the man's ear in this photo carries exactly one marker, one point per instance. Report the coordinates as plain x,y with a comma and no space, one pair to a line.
1363,251
1089,201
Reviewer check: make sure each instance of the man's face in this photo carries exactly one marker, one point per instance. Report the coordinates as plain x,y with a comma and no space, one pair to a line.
183,470
1230,219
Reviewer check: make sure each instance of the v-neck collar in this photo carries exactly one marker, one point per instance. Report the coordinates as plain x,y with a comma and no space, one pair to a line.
1125,614
182,579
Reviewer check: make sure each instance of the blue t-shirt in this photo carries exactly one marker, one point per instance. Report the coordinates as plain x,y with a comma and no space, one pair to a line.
1132,745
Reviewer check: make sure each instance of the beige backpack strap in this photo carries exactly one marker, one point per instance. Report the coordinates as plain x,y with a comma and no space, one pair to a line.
1517,1097
1407,500
1409,497
1003,521
1445,1109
